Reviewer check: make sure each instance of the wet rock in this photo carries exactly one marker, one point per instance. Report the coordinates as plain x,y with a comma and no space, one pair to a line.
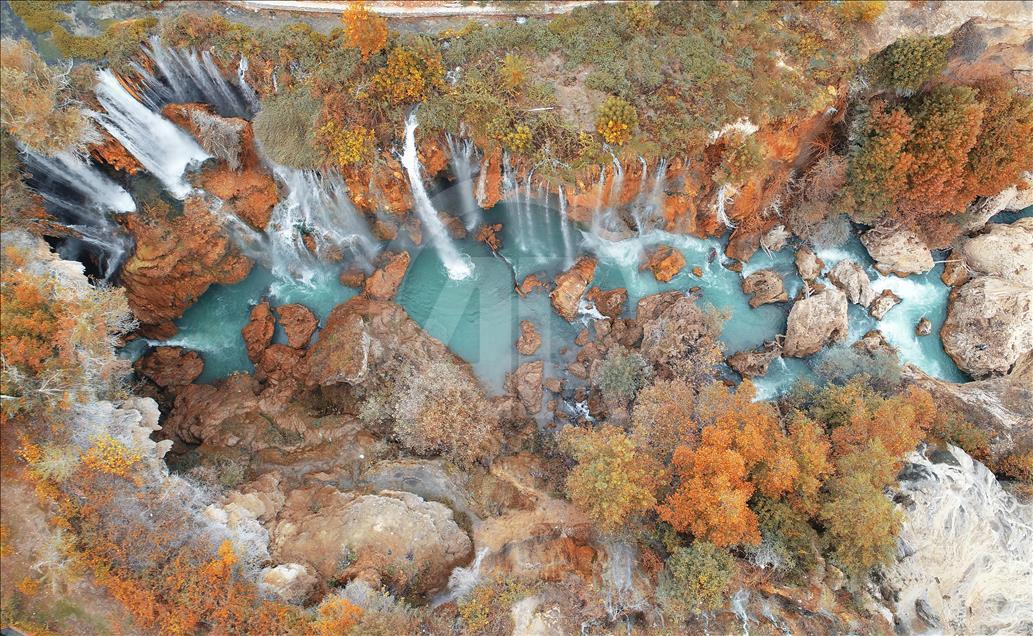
112,153
674,330
808,264
454,225
489,183
489,235
527,384
955,272
529,339
608,303
924,327
175,260
170,367
570,287
874,342
989,325
1003,250
764,286
392,538
897,251
697,271
258,332
582,338
530,283
554,385
733,266
815,321
665,262
383,283
752,364
883,303
385,230
925,613
353,277
278,363
298,322
852,279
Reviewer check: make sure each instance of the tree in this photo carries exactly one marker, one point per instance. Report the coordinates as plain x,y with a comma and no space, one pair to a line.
879,165
613,480
909,63
1004,146
897,422
694,580
410,75
662,417
366,30
621,375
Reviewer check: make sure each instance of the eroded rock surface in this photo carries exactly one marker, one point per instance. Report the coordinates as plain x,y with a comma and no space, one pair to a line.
808,264
529,339
897,251
883,303
298,322
854,281
665,262
383,284
170,367
815,321
989,325
753,364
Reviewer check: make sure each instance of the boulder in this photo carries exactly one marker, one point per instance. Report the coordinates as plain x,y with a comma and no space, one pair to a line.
955,272
385,230
764,286
883,303
989,325
298,322
526,382
529,339
1002,250
489,235
258,332
854,281
874,342
808,264
608,303
752,364
571,286
353,277
170,367
674,331
697,271
924,327
383,283
897,251
665,262
392,538
815,321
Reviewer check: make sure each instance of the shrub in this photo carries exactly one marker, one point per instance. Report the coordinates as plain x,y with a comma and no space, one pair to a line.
788,542
909,63
39,16
621,375
220,137
486,609
865,11
513,73
442,410
881,369
1004,146
742,156
285,129
518,139
694,580
366,30
613,480
616,120
348,146
410,74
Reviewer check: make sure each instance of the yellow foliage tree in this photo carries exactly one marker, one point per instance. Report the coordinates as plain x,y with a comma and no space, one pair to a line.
409,75
348,146
366,30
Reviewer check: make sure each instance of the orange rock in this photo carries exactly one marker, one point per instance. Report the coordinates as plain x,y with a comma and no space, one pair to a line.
383,283
608,303
310,243
353,277
298,322
392,185
697,271
530,283
571,285
489,235
170,367
258,332
385,230
529,339
112,153
489,186
665,262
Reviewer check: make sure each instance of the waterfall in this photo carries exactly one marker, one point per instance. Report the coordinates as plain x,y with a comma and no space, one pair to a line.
600,188
509,187
621,595
184,76
528,218
80,196
462,581
458,267
648,206
568,246
965,552
462,158
317,205
722,200
163,149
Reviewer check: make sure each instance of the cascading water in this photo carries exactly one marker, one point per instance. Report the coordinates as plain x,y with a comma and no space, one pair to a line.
621,595
722,200
965,552
568,245
161,147
462,580
317,205
458,267
185,76
463,159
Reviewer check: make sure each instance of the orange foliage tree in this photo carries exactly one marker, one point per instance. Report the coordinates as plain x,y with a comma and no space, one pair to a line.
879,166
366,30
1004,147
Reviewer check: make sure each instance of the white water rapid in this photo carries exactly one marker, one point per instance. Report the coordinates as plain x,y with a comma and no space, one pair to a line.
457,266
163,149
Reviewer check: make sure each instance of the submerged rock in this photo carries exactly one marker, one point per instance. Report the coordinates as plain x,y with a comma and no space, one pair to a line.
384,282
489,235
298,322
258,332
765,286
897,251
815,321
570,287
530,283
665,262
529,339
989,325
752,364
852,279
352,277
170,367
883,303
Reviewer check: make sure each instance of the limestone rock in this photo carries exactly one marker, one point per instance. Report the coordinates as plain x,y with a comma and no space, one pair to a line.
1003,250
852,279
874,342
665,262
752,364
384,282
764,286
674,329
897,251
955,272
883,303
258,332
288,582
808,264
815,321
298,322
170,367
608,303
392,538
989,325
527,384
529,339
571,285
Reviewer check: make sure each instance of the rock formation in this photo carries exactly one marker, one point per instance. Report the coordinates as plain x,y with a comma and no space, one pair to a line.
852,279
752,364
665,262
764,286
808,264
608,303
989,326
298,322
529,339
170,367
883,303
571,286
383,284
815,321
897,251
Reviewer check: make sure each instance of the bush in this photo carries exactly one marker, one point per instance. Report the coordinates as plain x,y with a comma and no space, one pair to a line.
694,580
348,146
410,75
742,157
909,63
881,369
220,137
442,410
285,128
865,11
39,16
621,375
788,542
616,120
